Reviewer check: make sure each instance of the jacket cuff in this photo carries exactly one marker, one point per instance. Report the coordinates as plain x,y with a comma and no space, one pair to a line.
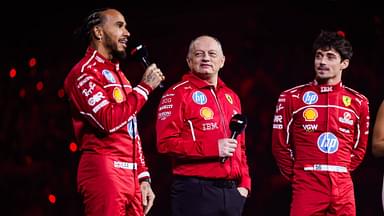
246,183
143,176
143,89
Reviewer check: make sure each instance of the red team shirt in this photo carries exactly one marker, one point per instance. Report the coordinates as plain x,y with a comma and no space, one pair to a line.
318,125
320,134
104,110
191,117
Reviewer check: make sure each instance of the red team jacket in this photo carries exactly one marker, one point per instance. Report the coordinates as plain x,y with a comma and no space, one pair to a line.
104,109
191,117
320,127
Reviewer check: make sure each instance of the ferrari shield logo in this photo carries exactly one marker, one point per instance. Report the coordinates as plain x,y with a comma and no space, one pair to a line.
347,100
229,98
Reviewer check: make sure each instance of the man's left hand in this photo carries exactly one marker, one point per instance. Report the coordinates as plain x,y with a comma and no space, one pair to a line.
243,191
148,196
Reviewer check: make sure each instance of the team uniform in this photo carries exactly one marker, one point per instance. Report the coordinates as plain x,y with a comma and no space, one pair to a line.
104,108
320,135
192,116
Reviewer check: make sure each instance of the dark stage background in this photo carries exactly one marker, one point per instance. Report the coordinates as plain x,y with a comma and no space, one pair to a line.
267,48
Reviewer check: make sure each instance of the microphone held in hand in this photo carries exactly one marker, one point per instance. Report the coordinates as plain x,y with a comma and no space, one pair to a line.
139,52
237,125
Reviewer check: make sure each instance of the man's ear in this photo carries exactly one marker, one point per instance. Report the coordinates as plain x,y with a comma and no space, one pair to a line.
222,62
344,64
188,62
97,32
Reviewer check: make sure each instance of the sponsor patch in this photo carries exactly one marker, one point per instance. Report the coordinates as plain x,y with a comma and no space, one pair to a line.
278,119
210,126
199,98
346,119
164,115
99,59
345,130
167,106
229,98
279,107
100,105
117,95
87,92
277,126
206,113
124,165
85,80
310,114
324,89
347,100
95,98
310,97
328,143
166,100
310,127
109,76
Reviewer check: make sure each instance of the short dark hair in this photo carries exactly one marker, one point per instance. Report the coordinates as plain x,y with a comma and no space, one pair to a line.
336,40
94,18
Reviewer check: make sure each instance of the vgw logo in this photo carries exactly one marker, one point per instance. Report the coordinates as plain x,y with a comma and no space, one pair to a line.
328,143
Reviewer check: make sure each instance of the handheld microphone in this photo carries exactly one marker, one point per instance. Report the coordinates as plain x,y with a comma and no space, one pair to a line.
140,53
237,125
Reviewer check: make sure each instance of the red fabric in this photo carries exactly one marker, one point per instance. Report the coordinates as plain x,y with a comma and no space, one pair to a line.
191,117
104,108
108,191
309,118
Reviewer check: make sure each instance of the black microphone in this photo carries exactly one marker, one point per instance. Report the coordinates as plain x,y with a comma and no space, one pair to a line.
139,52
237,125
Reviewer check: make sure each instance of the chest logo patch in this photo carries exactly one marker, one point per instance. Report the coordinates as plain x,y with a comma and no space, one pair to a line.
310,97
206,113
109,76
346,119
328,143
310,114
199,98
229,98
347,100
117,95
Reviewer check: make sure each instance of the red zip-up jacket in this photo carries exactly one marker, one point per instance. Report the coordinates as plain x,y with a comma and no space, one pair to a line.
320,127
104,107
192,116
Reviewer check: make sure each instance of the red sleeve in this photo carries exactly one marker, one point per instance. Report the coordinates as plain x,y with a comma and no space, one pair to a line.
142,169
281,147
361,135
245,178
91,100
175,134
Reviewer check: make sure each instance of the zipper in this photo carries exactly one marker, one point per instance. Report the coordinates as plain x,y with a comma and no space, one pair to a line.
224,125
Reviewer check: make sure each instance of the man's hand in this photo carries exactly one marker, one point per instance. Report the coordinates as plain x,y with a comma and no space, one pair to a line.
226,147
147,195
243,191
153,76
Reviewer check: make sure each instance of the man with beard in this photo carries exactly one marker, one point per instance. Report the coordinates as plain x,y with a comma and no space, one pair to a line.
112,176
320,133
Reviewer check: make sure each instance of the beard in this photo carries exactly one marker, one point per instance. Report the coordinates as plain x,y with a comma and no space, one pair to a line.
116,53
